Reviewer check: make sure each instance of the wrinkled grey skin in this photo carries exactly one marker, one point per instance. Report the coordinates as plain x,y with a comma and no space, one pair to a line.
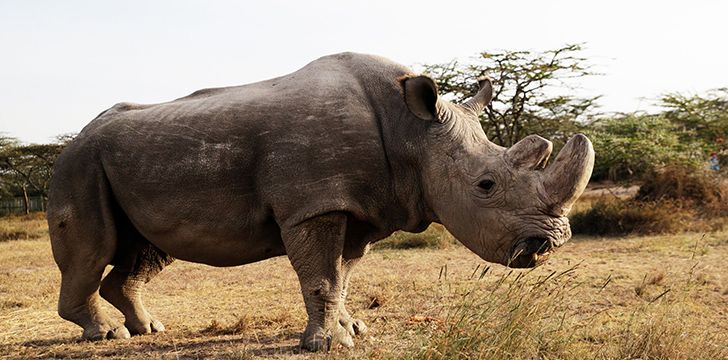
315,165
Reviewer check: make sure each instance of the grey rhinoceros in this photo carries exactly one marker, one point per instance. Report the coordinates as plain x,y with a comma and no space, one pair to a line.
316,165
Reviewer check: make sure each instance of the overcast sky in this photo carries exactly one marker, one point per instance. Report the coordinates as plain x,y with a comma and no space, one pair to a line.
63,62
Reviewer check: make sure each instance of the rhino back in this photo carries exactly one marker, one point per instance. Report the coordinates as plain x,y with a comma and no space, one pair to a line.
234,163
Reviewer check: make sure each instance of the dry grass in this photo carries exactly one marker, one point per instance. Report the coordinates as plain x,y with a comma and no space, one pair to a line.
23,227
420,303
671,200
702,189
529,315
621,217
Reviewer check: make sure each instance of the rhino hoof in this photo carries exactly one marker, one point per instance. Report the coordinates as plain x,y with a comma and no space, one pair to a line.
316,343
153,326
157,326
319,342
343,338
97,334
360,328
353,326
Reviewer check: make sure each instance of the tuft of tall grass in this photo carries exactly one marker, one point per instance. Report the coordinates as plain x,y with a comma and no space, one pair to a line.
515,316
521,315
666,332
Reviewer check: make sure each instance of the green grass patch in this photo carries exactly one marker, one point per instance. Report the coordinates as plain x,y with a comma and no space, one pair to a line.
434,237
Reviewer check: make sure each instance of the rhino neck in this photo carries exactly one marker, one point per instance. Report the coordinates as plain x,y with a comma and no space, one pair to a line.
402,139
404,148
404,157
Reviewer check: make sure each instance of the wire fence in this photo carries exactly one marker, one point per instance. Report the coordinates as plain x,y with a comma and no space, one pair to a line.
17,205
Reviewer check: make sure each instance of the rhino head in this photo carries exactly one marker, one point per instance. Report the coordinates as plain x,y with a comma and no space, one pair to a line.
506,205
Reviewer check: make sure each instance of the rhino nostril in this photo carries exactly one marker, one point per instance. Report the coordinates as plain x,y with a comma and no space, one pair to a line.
530,251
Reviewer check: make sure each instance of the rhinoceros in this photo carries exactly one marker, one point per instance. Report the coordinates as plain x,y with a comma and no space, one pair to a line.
317,165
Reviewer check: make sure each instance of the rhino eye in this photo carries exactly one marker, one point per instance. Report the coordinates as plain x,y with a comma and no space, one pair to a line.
486,185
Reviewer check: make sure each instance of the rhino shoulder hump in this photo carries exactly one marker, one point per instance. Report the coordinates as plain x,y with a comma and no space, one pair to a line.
126,106
202,93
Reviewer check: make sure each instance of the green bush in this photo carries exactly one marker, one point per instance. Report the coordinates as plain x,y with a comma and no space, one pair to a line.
434,237
631,146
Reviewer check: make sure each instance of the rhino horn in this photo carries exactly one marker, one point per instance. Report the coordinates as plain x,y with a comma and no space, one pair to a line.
477,103
566,178
532,153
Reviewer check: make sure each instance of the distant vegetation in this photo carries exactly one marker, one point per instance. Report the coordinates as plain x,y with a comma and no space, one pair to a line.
434,237
529,96
670,200
25,170
685,133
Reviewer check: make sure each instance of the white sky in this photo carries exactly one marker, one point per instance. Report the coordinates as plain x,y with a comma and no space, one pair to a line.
63,62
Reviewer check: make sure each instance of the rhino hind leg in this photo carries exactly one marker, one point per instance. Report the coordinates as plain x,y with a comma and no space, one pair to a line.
352,325
83,239
79,303
314,248
136,262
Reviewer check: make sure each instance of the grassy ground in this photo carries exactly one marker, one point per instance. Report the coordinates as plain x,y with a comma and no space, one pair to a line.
636,297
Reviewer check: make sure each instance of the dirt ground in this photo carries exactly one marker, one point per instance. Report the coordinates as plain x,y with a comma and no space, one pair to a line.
404,296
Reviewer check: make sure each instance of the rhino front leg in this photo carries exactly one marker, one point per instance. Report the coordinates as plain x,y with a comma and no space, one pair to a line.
315,250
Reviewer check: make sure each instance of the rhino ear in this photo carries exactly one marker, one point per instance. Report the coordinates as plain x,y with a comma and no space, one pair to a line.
420,95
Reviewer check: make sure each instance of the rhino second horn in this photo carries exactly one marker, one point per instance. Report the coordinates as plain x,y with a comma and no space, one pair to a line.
531,153
566,178
478,102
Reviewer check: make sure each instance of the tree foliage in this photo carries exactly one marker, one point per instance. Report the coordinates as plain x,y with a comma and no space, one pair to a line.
525,84
699,119
631,146
685,133
26,169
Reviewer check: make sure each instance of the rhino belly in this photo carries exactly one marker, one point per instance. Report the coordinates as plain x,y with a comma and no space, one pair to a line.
208,232
211,244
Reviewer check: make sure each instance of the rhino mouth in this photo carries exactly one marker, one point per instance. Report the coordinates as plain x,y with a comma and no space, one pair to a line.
530,252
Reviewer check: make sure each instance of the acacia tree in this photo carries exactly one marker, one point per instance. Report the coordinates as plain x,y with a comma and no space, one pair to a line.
524,86
7,178
699,117
27,169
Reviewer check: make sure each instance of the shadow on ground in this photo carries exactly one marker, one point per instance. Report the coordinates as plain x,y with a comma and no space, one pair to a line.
165,345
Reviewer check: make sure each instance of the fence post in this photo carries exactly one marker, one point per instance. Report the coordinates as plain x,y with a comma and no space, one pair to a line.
26,200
